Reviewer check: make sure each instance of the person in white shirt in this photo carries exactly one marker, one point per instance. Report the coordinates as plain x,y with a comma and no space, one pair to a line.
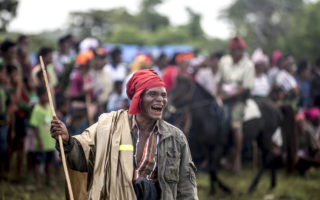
285,79
208,77
237,79
261,87
116,68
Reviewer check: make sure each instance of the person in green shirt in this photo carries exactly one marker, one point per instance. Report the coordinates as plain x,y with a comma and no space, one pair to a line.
41,117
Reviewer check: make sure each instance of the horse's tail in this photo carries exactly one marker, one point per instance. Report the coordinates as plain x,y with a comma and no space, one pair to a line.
289,136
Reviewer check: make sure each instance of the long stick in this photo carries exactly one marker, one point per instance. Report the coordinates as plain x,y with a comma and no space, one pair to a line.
59,137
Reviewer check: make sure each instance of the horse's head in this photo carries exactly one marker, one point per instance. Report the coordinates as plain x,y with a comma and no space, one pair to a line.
180,96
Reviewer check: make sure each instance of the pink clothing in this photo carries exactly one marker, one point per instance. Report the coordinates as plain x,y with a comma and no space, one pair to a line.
312,113
77,84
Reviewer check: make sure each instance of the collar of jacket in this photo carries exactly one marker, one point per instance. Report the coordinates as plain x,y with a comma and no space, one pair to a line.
165,132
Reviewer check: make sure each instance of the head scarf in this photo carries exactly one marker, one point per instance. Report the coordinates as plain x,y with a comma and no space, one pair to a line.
259,57
237,43
184,56
141,81
83,58
141,61
312,113
275,56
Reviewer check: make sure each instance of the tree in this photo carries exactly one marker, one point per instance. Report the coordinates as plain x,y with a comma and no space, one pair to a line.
150,19
129,35
303,39
260,22
99,23
8,11
194,26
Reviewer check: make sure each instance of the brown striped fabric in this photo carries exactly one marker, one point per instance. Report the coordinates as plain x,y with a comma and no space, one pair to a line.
147,166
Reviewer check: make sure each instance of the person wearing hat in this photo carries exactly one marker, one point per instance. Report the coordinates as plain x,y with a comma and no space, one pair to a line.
182,61
133,154
237,79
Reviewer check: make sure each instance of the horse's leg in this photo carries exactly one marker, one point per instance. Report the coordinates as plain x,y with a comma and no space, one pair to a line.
262,144
255,181
273,177
223,186
214,161
213,179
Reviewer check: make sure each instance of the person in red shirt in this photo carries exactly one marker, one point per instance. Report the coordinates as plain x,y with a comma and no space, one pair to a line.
182,62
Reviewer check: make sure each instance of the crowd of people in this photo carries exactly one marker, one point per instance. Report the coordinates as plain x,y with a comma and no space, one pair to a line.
87,81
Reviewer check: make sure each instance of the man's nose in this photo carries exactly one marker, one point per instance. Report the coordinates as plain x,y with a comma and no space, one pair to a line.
159,98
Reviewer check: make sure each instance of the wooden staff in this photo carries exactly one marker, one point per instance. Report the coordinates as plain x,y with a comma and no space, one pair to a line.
59,137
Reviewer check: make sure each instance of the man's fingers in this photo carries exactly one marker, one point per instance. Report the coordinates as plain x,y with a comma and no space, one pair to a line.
56,129
56,134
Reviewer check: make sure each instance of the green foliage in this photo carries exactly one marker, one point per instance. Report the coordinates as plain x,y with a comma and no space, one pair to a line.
260,22
8,11
290,25
170,35
99,23
129,35
194,27
303,38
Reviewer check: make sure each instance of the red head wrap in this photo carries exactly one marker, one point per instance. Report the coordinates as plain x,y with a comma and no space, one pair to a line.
184,56
237,43
141,81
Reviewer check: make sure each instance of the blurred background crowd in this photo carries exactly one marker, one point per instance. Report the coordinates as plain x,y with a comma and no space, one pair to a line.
90,61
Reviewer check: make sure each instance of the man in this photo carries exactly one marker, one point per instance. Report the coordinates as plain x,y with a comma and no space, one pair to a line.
287,83
237,79
182,63
63,56
208,77
133,154
8,51
116,68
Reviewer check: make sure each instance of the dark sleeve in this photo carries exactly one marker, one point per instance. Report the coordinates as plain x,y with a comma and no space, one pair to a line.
74,155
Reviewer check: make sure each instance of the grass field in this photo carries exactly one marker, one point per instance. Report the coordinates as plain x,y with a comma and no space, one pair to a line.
291,187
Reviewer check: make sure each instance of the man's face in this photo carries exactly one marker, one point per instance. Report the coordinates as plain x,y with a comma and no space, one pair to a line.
214,64
183,65
237,54
289,64
153,103
47,59
11,54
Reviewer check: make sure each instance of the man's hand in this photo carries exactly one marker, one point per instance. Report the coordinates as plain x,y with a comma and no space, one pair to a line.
58,128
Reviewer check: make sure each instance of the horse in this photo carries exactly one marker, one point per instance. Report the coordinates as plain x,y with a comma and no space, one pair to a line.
208,133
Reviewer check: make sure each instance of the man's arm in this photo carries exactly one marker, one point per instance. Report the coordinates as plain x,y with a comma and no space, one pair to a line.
75,155
187,185
240,91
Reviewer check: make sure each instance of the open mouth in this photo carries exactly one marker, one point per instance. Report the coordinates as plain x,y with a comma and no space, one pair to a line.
157,108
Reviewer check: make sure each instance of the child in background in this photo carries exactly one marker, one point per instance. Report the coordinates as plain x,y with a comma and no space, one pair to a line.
4,113
29,143
116,100
18,131
45,144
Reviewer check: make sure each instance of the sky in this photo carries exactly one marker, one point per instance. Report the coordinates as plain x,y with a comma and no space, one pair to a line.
34,16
